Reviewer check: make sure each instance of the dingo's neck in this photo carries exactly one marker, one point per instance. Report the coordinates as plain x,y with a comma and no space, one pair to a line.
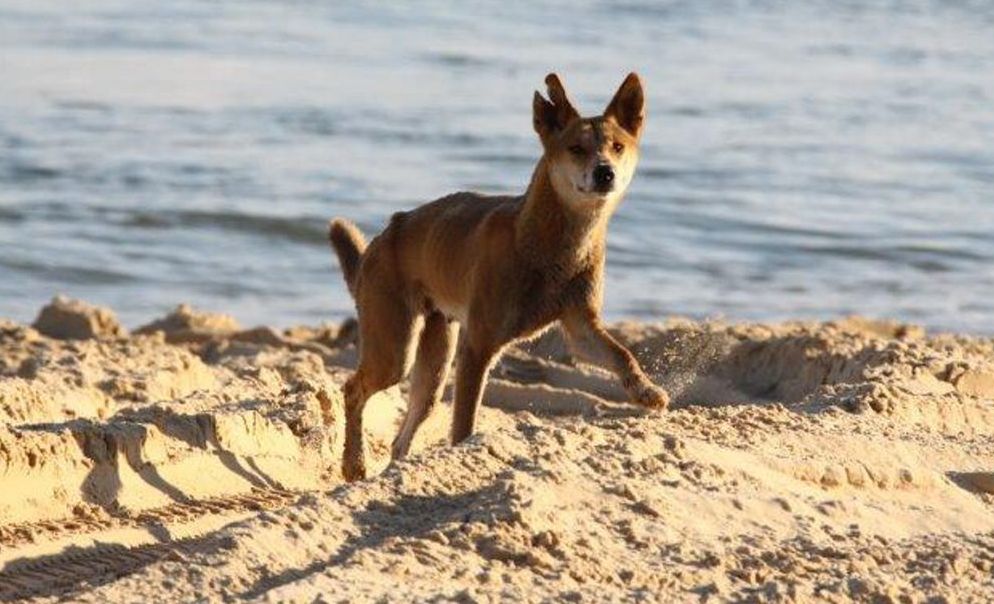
547,230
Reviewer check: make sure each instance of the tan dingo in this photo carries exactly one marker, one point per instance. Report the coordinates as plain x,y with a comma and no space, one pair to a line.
504,268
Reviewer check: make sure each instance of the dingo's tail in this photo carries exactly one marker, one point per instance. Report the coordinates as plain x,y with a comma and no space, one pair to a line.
349,244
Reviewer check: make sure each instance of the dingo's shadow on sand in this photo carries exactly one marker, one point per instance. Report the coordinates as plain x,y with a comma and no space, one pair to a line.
408,517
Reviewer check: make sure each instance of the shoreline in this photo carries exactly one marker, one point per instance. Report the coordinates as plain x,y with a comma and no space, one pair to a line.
847,459
27,314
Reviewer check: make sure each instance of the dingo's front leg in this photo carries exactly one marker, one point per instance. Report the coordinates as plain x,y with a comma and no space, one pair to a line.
591,341
471,376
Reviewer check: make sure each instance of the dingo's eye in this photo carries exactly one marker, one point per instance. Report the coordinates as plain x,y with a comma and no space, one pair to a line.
618,147
577,150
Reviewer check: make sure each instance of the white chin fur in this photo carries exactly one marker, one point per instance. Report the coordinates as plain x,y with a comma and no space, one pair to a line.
580,194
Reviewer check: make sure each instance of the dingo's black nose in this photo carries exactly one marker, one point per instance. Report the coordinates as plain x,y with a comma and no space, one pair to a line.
603,177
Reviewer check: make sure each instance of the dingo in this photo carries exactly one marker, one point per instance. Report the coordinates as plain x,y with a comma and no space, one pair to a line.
504,268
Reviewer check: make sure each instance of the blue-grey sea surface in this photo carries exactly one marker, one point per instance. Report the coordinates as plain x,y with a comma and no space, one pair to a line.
800,159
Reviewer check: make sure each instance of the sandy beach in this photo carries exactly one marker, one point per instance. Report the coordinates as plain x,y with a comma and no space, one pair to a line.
803,258
192,459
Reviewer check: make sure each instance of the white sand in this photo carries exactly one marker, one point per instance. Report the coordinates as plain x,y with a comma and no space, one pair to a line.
195,460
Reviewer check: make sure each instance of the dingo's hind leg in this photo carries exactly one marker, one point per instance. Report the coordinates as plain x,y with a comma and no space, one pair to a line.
386,329
431,368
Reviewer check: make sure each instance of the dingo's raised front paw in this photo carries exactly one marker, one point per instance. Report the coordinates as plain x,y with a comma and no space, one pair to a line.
652,396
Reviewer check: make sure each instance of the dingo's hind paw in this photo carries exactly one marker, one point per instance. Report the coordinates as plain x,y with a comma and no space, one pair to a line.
353,469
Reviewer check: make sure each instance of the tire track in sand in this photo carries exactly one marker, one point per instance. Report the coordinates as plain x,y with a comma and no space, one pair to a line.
56,558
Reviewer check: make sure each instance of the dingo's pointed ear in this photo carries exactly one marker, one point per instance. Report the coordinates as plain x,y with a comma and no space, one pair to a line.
628,105
555,114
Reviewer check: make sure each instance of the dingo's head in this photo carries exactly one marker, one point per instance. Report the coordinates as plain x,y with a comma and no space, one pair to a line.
590,160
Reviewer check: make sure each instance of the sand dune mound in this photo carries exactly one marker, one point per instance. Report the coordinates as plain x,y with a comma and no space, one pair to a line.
69,319
193,459
938,383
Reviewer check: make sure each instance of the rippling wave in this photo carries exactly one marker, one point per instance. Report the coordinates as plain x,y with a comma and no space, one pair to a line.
802,160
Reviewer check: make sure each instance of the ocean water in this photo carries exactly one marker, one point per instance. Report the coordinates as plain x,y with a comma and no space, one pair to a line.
800,160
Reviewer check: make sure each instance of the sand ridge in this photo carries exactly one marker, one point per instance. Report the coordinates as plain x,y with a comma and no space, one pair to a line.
191,458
